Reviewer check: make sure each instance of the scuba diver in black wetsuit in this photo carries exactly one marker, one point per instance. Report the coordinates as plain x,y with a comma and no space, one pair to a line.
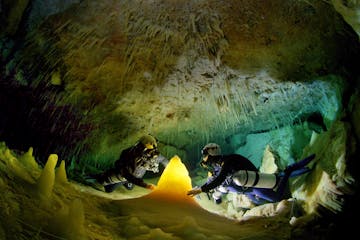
220,166
235,173
132,166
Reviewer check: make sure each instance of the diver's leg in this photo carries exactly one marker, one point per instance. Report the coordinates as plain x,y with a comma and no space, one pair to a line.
274,194
111,180
267,194
299,172
300,164
255,198
111,187
296,172
292,170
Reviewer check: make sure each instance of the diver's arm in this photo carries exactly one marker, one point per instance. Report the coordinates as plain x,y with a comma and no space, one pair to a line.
162,159
196,190
216,181
137,181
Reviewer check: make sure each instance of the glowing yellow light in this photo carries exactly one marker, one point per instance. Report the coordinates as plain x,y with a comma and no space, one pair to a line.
174,182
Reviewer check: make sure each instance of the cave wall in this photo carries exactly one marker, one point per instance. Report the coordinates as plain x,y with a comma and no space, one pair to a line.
87,85
94,81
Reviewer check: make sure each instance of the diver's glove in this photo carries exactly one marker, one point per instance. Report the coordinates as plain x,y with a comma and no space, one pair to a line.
194,191
150,186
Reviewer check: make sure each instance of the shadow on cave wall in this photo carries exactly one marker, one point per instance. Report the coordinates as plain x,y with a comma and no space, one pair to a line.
30,119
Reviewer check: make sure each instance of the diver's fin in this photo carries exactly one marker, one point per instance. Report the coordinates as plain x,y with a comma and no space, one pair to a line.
299,172
300,164
306,160
296,172
90,180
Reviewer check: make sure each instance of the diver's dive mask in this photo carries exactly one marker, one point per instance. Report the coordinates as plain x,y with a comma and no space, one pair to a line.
203,163
206,163
209,164
210,149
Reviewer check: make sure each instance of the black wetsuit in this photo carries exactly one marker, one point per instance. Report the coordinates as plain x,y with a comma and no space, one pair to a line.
229,164
132,165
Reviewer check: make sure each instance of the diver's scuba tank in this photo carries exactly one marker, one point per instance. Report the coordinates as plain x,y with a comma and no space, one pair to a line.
246,178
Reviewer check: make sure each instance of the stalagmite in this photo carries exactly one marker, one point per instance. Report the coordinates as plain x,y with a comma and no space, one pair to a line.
314,136
268,162
68,222
28,160
174,182
17,168
60,173
46,181
75,220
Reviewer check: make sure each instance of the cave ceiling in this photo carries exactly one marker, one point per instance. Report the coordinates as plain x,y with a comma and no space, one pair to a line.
92,76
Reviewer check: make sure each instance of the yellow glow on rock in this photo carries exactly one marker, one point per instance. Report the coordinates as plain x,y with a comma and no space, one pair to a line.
174,182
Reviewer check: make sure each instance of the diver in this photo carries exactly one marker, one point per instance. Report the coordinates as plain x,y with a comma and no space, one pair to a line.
235,173
132,165
220,166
